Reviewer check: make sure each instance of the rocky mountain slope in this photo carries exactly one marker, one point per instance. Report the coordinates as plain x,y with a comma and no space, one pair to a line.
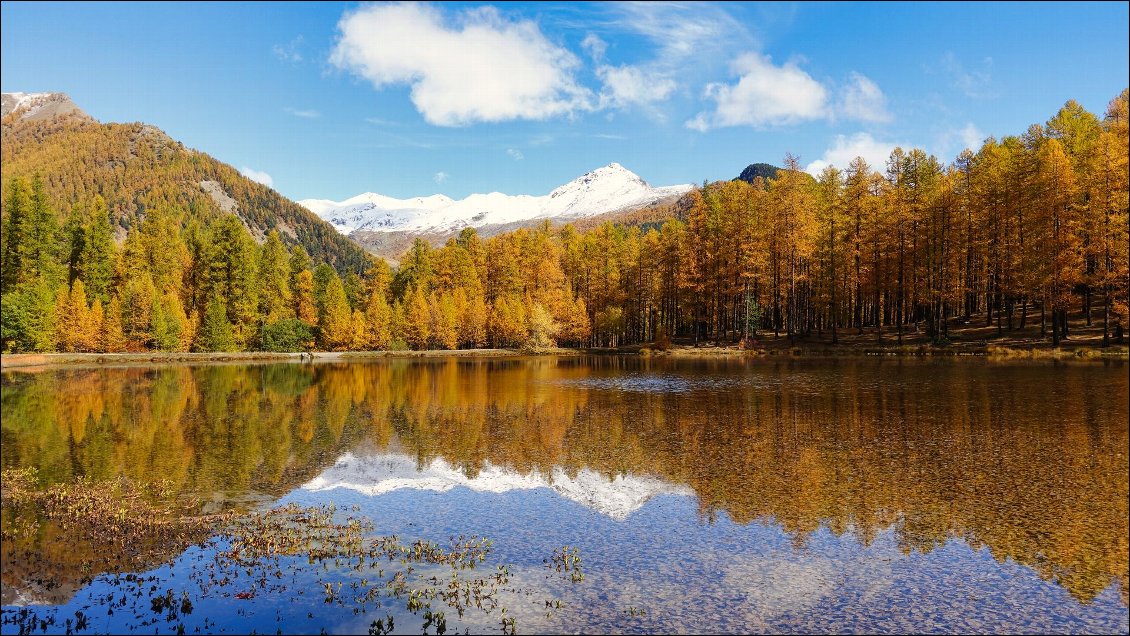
387,225
136,166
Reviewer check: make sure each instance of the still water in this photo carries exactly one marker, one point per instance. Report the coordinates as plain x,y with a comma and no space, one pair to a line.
721,495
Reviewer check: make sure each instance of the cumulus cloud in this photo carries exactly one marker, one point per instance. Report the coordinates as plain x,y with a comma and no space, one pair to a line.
863,100
440,177
479,67
257,176
844,149
765,95
515,154
627,85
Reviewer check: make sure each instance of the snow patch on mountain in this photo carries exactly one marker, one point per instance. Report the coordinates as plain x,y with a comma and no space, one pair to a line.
37,106
380,474
608,189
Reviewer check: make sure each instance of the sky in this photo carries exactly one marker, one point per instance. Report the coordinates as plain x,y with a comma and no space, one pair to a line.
325,100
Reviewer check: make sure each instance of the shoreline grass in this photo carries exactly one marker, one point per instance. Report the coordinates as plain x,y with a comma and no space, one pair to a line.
36,361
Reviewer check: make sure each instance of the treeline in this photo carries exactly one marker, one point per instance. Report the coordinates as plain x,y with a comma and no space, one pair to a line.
1024,230
177,284
137,168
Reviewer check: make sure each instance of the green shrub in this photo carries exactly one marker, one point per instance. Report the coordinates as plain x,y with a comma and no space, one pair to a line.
288,336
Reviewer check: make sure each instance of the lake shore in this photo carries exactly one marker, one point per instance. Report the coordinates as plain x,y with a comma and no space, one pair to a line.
777,348
28,360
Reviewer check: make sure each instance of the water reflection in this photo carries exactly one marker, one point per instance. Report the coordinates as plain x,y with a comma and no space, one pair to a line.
1027,462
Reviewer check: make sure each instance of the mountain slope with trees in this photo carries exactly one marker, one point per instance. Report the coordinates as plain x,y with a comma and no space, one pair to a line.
136,167
1023,231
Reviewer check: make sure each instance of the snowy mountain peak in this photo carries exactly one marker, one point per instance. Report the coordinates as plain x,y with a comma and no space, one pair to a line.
37,106
608,189
376,475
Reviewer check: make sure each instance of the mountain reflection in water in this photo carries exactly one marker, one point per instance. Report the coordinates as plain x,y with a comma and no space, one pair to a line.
1028,461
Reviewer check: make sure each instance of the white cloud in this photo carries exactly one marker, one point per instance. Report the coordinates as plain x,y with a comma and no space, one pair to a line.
678,31
595,47
861,144
863,100
257,176
289,52
628,85
769,95
305,114
971,137
682,29
976,82
765,95
481,68
515,154
950,142
440,177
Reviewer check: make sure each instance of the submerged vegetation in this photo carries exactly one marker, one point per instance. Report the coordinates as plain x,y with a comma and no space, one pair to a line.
858,446
284,550
1024,230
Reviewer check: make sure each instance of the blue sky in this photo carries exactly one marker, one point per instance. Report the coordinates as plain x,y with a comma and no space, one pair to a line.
330,100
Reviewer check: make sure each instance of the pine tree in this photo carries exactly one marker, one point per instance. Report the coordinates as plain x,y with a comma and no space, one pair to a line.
508,322
444,330
378,318
576,328
305,306
397,328
474,325
233,275
275,300
66,320
17,207
96,263
74,242
360,336
215,330
113,336
170,328
91,329
299,260
337,319
137,310
541,327
79,320
417,320
37,236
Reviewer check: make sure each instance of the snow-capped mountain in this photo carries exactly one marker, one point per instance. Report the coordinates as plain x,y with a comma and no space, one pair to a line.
36,106
608,189
379,474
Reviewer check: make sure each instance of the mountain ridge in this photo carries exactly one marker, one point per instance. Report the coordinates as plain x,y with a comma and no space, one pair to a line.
374,475
136,166
611,188
39,106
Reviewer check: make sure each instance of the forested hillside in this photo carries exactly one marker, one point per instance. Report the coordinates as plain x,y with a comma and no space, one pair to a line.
136,168
1020,232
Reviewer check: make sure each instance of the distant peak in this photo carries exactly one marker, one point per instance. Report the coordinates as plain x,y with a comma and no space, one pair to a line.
38,106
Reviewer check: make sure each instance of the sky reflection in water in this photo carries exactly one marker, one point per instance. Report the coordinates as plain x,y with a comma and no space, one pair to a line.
715,496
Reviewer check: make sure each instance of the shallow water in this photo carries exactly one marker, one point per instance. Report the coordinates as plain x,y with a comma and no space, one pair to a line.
723,495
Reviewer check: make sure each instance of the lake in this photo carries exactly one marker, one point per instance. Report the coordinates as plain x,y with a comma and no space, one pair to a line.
698,495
